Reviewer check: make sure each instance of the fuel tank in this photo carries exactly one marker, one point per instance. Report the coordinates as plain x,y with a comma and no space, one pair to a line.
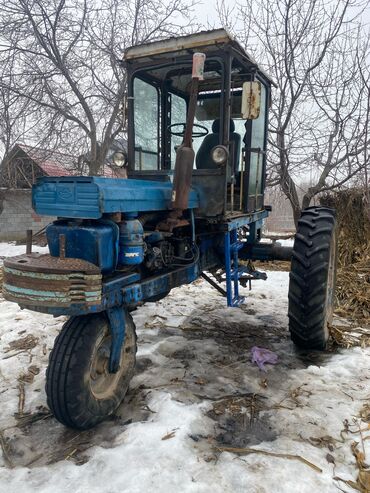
93,241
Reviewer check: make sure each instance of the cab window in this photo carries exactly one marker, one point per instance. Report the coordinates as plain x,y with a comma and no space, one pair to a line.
178,115
146,124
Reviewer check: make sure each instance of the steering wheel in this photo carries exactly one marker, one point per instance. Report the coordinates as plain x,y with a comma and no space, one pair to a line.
204,130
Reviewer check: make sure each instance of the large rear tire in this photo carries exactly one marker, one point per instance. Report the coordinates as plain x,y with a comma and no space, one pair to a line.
312,278
80,390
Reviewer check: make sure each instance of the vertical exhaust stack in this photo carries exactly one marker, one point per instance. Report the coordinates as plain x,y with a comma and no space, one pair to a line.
185,153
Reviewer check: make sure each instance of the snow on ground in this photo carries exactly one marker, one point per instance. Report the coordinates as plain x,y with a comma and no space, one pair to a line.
194,392
289,242
11,249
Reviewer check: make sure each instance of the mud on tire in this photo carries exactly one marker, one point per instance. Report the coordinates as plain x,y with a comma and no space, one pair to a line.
80,390
312,278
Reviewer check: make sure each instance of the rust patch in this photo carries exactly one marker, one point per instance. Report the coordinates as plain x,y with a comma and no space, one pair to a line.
35,262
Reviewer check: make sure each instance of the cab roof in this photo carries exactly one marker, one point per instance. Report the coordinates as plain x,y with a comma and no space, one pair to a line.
208,42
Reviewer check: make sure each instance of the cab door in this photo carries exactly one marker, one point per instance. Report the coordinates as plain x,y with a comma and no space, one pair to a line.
255,156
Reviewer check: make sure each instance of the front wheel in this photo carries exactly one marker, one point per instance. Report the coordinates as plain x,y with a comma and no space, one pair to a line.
80,390
312,278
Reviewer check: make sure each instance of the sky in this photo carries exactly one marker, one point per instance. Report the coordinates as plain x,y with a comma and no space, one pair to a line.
206,12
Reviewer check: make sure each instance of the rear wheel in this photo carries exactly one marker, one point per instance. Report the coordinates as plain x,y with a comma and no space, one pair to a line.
312,278
80,390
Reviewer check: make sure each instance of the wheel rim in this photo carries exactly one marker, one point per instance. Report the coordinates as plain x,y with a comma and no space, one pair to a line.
102,383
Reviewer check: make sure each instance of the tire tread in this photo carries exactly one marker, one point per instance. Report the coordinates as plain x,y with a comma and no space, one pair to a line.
308,277
65,359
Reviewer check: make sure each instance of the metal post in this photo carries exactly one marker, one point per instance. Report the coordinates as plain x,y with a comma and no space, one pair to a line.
229,293
192,225
62,246
242,181
185,154
188,141
117,320
213,284
29,241
234,238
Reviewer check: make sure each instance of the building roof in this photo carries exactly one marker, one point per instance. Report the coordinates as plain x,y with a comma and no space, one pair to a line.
51,162
55,163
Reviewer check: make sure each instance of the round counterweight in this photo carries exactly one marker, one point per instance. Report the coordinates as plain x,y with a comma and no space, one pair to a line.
42,280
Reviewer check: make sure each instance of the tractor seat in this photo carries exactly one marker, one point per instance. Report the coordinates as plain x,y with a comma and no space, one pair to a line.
203,158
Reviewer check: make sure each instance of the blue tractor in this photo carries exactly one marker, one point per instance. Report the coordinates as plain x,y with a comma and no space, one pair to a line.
192,205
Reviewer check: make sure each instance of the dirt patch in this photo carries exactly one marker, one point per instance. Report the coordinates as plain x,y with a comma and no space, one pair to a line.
223,329
273,265
23,344
25,443
240,422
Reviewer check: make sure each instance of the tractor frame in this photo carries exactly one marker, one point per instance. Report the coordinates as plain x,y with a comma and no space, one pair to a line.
183,212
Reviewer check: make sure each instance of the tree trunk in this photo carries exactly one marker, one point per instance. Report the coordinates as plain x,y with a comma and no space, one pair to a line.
296,215
96,159
306,201
94,167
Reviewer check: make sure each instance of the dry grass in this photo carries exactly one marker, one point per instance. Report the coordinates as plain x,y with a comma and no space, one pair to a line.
247,451
23,344
353,277
349,336
353,290
353,215
273,265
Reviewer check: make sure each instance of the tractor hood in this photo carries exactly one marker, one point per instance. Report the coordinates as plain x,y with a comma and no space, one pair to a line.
89,197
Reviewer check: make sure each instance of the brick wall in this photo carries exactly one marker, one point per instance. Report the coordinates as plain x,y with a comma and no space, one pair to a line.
17,215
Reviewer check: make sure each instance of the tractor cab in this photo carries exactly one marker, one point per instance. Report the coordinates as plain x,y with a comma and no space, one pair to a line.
229,125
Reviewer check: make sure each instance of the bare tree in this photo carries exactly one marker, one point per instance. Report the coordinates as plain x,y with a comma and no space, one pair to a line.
313,49
69,54
14,110
364,69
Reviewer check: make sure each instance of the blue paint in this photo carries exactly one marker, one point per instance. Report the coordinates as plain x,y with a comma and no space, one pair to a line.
91,197
127,290
245,220
59,295
117,323
101,242
131,242
119,282
229,292
154,237
95,242
232,269
235,246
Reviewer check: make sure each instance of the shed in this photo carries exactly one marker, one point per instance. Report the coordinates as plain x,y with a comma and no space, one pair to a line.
24,164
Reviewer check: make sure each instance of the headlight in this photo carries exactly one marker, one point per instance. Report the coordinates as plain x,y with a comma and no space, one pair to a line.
119,159
219,154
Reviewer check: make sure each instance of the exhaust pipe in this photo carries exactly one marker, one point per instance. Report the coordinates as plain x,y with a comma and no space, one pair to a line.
185,153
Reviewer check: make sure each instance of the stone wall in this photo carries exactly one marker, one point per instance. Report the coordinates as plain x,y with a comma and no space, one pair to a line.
17,215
